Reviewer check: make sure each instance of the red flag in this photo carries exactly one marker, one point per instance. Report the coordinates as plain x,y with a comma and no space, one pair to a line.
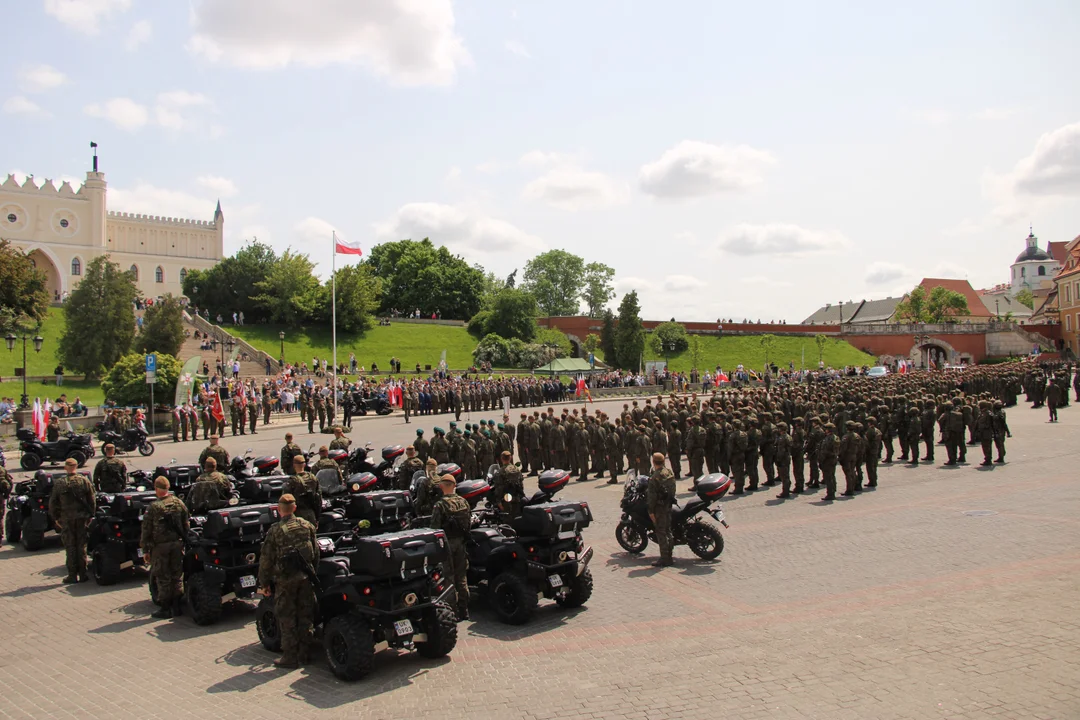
343,247
216,410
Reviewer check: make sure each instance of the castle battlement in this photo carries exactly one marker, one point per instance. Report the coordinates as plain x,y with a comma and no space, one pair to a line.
47,188
160,220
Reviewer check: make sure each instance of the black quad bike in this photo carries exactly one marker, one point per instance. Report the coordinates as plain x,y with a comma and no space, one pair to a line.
360,507
377,405
386,470
221,558
244,467
28,516
115,532
539,554
384,590
132,439
35,453
180,477
636,528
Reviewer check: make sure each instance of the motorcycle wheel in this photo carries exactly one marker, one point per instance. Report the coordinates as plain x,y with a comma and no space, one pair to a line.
704,540
632,538
146,449
78,456
30,461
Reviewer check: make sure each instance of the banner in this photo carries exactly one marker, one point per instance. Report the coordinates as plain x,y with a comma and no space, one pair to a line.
186,381
506,406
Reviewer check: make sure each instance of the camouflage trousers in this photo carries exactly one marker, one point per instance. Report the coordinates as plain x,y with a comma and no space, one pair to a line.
662,525
676,464
457,566
166,570
73,536
697,463
294,607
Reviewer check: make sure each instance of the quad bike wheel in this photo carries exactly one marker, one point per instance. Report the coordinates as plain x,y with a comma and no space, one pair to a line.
440,624
30,461
350,647
203,600
103,574
581,588
512,599
12,527
267,626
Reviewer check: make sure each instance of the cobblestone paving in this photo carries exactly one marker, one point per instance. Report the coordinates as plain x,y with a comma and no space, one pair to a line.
945,593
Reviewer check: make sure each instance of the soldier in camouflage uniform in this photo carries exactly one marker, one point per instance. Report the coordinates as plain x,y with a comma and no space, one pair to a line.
253,413
508,481
72,505
289,451
164,528
451,514
781,458
213,450
289,544
411,465
428,492
5,492
340,442
325,463
659,494
440,448
303,486
210,491
423,447
828,452
320,410
110,474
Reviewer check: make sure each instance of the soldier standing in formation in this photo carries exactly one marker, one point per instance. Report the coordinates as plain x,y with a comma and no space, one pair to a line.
110,474
508,481
451,514
289,451
72,505
659,494
422,446
5,492
305,489
213,450
409,467
164,527
290,544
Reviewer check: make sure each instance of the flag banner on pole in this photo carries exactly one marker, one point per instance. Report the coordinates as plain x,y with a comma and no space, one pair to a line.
38,420
187,379
506,405
344,247
216,410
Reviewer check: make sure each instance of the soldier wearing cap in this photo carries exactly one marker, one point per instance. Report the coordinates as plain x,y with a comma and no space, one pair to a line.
451,515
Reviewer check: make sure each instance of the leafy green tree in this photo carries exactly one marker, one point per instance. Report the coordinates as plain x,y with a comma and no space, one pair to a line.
163,327
358,295
944,305
913,308
629,333
125,383
820,341
100,319
416,274
1025,297
513,315
555,278
493,349
290,293
695,351
607,338
491,287
24,294
768,344
592,343
668,338
232,285
556,340
598,289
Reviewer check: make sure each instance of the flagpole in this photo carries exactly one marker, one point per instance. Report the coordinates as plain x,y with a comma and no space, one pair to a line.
333,322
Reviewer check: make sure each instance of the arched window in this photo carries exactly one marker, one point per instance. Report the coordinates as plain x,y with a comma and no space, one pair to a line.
76,266
159,275
183,275
1023,272
135,272
1042,270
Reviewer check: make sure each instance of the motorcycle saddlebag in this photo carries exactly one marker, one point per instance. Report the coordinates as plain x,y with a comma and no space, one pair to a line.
362,482
450,469
712,487
131,505
25,435
392,452
550,519
266,463
263,488
378,507
473,490
241,521
403,555
181,477
551,481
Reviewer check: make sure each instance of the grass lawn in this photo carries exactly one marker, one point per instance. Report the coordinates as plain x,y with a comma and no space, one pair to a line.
90,392
730,351
408,342
42,363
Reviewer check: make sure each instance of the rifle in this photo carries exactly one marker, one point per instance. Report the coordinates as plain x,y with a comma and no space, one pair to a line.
299,562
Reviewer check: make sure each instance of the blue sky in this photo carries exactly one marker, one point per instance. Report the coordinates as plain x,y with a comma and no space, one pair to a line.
728,160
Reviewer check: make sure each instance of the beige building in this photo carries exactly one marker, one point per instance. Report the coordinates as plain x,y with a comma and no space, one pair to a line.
63,229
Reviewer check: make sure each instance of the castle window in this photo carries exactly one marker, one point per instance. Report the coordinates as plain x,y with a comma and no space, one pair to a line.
135,272
1023,272
159,275
64,223
183,274
76,266
1042,270
12,218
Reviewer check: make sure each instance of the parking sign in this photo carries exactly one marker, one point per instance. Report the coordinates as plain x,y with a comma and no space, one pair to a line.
151,363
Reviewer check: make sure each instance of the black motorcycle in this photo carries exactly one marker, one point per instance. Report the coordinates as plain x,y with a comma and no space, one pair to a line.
386,471
378,405
70,445
132,439
636,527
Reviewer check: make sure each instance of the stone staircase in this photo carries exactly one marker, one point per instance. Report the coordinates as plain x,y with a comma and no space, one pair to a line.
254,366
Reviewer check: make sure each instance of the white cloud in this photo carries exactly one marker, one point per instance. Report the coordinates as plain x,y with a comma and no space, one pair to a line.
222,187
316,232
997,113
140,33
683,284
22,105
778,239
694,169
1053,167
453,176
489,167
84,15
125,113
410,42
180,109
935,117
41,78
516,48
572,188
764,282
541,159
625,284
879,273
460,229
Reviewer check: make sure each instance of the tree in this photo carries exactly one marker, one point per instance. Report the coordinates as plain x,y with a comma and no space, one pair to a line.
24,295
768,343
820,341
555,278
598,290
944,305
629,333
125,383
695,351
231,285
289,294
607,339
1025,297
490,288
512,315
163,327
416,274
511,279
100,319
668,338
913,308
358,295
556,340
592,343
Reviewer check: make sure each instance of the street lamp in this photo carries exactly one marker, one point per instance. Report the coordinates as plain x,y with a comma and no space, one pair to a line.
281,357
10,339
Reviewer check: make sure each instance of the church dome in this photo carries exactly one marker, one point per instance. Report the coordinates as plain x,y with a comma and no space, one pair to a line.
1033,253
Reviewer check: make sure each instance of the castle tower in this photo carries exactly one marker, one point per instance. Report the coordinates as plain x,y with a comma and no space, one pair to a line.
94,188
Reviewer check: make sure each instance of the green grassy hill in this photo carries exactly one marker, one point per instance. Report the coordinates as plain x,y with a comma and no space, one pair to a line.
44,362
730,351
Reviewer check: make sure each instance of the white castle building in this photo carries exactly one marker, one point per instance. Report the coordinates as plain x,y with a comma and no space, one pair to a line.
63,229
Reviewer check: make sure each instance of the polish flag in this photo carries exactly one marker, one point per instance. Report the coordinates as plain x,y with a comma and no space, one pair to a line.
39,420
216,410
343,247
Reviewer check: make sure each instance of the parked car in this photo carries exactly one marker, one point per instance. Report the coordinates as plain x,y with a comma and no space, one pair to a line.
877,371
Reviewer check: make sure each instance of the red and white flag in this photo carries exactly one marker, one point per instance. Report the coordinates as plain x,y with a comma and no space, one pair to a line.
38,419
216,410
344,247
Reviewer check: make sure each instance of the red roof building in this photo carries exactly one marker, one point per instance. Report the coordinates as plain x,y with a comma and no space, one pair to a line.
976,307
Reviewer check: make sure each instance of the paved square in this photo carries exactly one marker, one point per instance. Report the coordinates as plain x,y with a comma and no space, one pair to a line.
946,593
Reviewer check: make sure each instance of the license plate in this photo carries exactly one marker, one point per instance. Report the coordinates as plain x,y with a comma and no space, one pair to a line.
248,581
140,552
403,627
555,580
